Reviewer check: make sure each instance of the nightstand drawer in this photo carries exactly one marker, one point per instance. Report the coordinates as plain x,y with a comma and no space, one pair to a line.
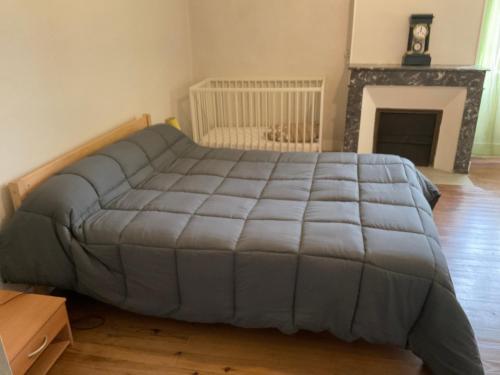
35,348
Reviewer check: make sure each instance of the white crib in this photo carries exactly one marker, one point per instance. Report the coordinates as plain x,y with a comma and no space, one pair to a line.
284,114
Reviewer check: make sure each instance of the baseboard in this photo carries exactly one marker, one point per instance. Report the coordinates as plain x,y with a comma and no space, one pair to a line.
331,145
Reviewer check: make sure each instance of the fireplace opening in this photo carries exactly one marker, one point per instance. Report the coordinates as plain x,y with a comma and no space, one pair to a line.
410,133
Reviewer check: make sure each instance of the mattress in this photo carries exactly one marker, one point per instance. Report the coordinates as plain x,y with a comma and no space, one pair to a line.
255,138
336,242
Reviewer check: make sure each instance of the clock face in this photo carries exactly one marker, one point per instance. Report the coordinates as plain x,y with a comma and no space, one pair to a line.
420,31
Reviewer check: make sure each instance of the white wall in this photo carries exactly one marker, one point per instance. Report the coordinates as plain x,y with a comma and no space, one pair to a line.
380,30
71,70
276,38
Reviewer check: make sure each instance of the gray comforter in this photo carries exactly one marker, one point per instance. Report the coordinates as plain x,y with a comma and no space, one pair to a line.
334,241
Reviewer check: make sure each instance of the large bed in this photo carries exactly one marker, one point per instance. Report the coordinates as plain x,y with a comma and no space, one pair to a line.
336,242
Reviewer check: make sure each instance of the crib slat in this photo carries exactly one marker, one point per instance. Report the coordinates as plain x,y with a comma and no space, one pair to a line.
273,109
212,116
220,117
209,118
249,121
233,118
200,118
259,134
215,116
321,104
281,121
252,117
247,117
229,115
227,120
205,118
225,113
289,118
313,115
194,120
304,123
244,121
236,109
266,114
211,130
296,119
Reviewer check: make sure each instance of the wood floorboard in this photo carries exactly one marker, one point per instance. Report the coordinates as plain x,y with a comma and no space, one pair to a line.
468,220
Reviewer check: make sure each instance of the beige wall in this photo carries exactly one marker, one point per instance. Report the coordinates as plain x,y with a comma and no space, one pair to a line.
312,37
380,30
70,70
276,38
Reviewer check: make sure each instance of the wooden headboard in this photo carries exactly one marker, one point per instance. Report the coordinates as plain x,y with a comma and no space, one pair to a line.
20,188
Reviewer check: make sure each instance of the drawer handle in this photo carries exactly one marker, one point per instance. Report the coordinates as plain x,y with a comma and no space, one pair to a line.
40,349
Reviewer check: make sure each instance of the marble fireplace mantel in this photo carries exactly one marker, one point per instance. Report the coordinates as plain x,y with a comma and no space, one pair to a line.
471,78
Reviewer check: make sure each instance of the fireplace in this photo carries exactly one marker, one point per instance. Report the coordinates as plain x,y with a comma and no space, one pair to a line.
410,133
454,90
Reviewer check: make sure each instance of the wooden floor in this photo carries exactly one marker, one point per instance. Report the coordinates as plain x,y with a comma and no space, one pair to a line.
126,343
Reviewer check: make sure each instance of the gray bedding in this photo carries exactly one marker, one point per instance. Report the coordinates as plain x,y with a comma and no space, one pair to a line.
334,242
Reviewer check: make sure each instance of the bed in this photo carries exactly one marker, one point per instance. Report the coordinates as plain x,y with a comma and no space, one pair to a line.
159,225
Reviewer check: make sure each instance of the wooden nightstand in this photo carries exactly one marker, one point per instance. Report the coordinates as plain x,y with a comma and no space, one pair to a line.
35,331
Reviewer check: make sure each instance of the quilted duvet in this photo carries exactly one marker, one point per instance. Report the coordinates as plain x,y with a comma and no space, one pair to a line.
334,242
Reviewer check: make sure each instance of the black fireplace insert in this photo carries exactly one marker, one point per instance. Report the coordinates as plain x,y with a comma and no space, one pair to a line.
409,133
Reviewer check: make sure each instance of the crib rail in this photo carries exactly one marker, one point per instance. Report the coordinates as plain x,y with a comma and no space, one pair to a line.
283,114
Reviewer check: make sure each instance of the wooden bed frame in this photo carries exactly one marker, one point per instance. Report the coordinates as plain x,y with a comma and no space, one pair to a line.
21,187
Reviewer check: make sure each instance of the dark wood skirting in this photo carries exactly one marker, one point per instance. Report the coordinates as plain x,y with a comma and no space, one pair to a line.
472,79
